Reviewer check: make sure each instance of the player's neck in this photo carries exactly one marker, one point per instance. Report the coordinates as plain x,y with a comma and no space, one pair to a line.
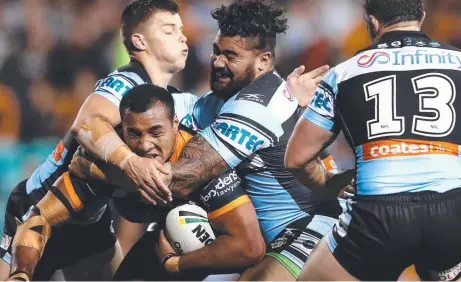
263,72
403,26
158,74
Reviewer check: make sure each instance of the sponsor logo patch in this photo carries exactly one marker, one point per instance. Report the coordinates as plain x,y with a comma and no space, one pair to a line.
435,44
258,98
244,137
417,56
57,153
114,84
221,186
450,274
379,57
279,242
287,94
404,148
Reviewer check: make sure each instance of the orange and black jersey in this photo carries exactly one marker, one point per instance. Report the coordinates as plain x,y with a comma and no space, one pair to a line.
220,196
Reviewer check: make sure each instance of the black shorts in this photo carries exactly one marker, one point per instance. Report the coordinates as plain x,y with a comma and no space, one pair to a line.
377,237
141,262
293,246
68,243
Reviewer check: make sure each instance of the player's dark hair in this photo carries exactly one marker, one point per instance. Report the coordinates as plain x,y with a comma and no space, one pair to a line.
252,18
394,11
139,11
143,97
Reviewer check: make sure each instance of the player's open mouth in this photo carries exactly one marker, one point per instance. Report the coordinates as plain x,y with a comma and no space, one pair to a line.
185,51
152,156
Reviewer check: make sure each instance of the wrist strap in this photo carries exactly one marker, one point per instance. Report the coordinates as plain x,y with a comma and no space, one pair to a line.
167,257
172,265
20,276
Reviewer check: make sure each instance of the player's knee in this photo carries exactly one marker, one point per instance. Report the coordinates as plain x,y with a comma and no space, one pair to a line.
33,233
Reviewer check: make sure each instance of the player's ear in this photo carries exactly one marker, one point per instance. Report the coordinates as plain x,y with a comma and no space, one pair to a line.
375,24
175,124
139,41
422,20
264,62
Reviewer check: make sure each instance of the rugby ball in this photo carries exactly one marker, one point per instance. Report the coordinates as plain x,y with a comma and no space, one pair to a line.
188,229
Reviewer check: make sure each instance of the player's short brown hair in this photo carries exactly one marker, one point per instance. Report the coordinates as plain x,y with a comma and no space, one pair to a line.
140,11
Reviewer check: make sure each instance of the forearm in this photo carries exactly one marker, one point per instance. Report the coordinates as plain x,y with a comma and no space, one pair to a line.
223,255
87,168
312,175
100,139
316,177
198,164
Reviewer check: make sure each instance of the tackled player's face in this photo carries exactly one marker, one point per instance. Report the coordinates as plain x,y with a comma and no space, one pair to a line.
151,134
165,40
233,64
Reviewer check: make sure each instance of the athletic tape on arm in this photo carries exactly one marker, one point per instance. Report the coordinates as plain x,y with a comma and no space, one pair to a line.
100,138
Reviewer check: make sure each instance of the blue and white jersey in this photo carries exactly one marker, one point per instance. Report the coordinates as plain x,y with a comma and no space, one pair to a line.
250,131
112,87
117,83
397,102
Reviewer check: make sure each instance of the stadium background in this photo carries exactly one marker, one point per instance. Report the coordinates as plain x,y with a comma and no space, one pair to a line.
53,51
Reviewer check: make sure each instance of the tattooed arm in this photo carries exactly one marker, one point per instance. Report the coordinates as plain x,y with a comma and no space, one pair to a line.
198,164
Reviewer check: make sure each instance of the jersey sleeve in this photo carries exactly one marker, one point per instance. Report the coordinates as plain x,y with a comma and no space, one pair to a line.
184,106
321,109
115,85
223,194
241,129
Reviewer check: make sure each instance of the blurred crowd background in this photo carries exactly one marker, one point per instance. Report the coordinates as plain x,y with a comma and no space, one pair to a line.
53,51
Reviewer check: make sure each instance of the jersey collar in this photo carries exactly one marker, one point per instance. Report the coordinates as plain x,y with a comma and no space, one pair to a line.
399,34
399,39
143,70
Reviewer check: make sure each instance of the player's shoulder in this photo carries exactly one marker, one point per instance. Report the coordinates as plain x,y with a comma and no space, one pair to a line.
184,103
265,103
209,101
131,75
115,85
183,98
206,110
262,89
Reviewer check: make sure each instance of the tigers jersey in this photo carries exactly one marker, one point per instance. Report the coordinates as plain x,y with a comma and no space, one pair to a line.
397,102
250,131
220,196
112,87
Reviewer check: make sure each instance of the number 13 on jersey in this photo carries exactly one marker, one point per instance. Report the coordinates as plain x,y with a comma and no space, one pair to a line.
436,93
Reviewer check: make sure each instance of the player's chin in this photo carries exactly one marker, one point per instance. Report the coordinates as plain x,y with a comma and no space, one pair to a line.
180,64
218,85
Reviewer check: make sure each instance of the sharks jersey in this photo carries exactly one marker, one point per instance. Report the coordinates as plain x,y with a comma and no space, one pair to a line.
397,102
250,131
112,87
